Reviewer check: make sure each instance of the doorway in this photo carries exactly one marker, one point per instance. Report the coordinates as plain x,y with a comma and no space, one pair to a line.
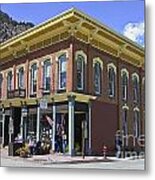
78,134
6,130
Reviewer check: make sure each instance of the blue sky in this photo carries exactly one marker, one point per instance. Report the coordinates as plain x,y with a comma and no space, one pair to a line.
125,17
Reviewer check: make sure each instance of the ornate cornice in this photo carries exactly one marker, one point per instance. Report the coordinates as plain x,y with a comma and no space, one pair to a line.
72,23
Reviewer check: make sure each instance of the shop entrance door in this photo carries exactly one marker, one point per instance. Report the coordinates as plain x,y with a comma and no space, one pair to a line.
6,130
79,118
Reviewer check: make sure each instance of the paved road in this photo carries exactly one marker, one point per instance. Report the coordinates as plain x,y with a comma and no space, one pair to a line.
120,164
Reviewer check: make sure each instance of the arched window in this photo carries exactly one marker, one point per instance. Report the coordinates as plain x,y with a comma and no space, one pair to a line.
62,71
111,76
80,72
9,81
124,79
97,78
46,75
143,90
1,79
33,80
125,120
21,78
136,123
135,82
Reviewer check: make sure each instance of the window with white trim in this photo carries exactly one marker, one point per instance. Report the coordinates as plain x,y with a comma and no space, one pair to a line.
62,71
9,80
33,79
80,72
111,76
135,82
47,75
136,123
1,79
21,78
124,79
97,78
125,121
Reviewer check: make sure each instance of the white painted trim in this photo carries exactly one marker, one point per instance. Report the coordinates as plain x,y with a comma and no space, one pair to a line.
136,109
135,75
98,60
125,107
113,66
81,52
126,71
60,53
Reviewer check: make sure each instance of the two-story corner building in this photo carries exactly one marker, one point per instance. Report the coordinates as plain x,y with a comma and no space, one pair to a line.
69,70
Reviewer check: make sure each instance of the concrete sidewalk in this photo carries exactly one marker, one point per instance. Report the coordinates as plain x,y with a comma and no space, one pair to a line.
57,158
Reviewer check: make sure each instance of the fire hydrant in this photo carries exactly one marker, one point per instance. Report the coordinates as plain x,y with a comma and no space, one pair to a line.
104,151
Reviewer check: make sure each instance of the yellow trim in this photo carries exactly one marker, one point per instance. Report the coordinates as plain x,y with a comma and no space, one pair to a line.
17,102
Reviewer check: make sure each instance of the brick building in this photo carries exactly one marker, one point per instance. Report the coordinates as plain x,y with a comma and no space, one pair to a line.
83,72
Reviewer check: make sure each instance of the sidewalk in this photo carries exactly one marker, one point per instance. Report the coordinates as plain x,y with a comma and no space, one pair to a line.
61,158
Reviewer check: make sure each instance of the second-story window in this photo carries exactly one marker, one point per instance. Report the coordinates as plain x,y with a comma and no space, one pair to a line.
62,70
124,80
80,72
9,81
1,79
33,81
46,75
97,78
135,82
111,77
21,78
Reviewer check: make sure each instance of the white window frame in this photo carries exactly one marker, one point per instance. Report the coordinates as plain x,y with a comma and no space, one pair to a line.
31,79
124,71
136,92
59,72
11,83
111,65
84,62
19,87
125,122
44,76
97,60
1,82
136,122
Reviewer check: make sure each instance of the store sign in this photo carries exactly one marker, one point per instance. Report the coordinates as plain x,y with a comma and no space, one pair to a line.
43,104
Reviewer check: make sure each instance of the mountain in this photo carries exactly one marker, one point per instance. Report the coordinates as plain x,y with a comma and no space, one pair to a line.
10,27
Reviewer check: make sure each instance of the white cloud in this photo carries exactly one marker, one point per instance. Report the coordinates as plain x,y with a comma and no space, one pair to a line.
135,32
